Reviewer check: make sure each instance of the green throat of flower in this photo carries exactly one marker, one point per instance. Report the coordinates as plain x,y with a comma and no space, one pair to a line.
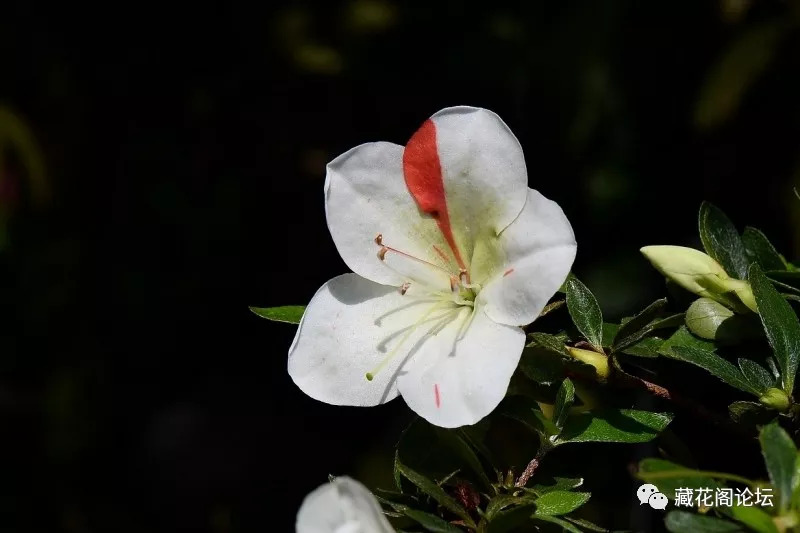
446,306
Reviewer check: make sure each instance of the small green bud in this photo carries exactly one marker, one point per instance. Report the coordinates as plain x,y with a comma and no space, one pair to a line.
775,398
711,320
597,360
705,316
700,274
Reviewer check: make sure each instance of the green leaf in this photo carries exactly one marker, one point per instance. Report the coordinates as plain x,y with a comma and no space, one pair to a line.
750,413
511,520
543,358
559,483
453,441
715,364
431,522
613,425
647,347
789,279
526,410
585,312
758,376
609,332
564,400
290,314
780,324
669,477
780,455
760,250
637,327
754,518
553,343
685,522
434,491
585,524
560,502
563,524
683,337
722,241
503,501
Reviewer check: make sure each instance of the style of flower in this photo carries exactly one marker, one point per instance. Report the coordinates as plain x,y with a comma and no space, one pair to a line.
341,506
451,254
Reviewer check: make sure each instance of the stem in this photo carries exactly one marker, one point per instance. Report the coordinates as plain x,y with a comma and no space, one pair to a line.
698,473
623,378
527,474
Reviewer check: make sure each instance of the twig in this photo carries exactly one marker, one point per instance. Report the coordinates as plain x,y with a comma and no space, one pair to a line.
621,377
527,474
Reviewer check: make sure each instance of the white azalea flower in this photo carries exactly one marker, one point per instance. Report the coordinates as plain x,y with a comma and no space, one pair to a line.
341,506
452,253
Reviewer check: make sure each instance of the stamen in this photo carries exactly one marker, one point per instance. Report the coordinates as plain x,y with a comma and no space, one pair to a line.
404,288
384,249
465,326
463,275
371,374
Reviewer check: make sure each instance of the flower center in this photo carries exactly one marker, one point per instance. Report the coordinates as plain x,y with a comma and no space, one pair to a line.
432,277
449,294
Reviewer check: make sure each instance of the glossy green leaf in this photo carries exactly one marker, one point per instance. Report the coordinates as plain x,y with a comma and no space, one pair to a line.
683,337
431,522
609,332
760,250
558,483
512,519
754,518
613,425
564,400
685,522
750,413
585,312
554,343
758,376
504,501
560,502
636,327
434,491
526,410
669,476
563,524
722,241
647,347
780,455
455,443
290,314
781,325
716,365
787,278
542,365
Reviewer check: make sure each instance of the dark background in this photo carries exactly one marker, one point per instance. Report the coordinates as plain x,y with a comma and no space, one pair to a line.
162,169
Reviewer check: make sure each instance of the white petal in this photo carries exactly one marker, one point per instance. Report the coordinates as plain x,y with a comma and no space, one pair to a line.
341,506
483,167
530,261
456,383
350,326
366,195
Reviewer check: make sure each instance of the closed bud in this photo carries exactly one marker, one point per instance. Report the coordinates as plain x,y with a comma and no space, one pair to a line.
597,360
775,398
700,274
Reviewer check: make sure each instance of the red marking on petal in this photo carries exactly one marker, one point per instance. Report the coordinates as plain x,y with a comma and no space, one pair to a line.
423,173
507,272
436,395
